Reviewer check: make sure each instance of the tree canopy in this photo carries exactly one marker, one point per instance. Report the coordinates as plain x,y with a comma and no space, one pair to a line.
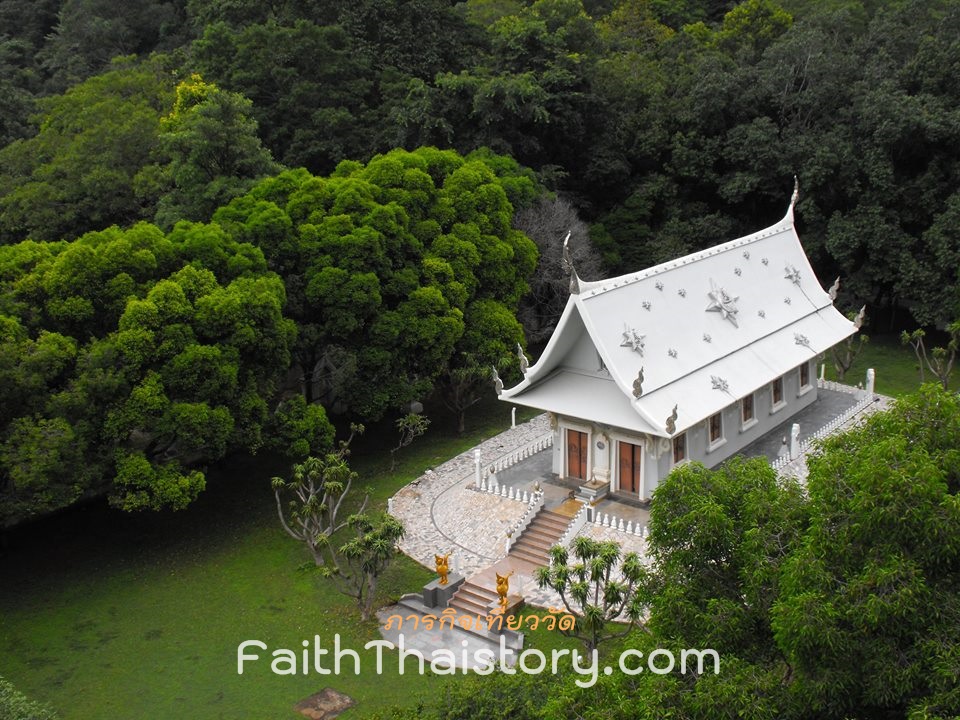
136,357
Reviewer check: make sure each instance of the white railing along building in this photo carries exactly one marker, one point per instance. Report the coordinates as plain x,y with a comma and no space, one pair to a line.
521,453
612,521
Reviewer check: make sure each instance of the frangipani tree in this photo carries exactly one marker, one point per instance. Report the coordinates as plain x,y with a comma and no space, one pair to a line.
316,490
599,585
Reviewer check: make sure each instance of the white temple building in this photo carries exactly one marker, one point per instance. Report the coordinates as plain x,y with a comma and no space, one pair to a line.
689,360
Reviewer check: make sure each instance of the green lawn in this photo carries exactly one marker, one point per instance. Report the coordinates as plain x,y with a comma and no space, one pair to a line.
109,615
895,365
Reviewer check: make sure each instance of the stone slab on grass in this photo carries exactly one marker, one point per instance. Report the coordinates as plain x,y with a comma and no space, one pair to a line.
324,705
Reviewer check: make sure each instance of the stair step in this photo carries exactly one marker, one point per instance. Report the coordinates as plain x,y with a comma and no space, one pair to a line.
523,554
534,544
478,597
548,537
554,521
530,548
469,608
477,588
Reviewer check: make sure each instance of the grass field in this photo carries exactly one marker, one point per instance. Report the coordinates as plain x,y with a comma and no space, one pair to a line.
110,615
895,365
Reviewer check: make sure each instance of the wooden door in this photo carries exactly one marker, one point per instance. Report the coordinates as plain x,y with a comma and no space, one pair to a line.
631,459
577,454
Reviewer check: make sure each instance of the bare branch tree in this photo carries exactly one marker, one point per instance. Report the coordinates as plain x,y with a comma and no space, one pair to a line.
546,223
410,426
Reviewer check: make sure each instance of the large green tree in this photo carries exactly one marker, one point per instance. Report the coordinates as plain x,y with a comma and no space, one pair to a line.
78,172
869,601
382,263
131,359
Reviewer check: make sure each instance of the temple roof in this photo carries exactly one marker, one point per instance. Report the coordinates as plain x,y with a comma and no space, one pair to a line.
706,329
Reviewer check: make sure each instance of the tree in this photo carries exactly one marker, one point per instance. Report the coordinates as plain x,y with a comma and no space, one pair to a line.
845,352
717,539
868,605
78,172
14,705
599,587
127,359
215,155
90,33
410,426
358,563
490,338
316,490
546,223
312,102
940,359
383,262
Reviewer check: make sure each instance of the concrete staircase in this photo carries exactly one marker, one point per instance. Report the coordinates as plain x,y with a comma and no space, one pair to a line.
472,598
543,532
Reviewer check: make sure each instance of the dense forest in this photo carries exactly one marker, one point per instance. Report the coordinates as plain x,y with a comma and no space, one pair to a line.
221,221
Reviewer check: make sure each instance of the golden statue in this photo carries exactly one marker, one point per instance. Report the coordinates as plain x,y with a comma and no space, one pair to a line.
503,587
443,567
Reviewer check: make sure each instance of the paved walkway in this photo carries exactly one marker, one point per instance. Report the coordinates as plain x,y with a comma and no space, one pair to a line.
442,644
828,405
443,513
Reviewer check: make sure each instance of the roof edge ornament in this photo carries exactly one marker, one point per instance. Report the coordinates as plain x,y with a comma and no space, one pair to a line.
861,316
524,362
566,262
793,199
671,424
638,384
497,382
832,292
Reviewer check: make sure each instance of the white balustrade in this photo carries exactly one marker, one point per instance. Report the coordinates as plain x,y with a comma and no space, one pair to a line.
533,507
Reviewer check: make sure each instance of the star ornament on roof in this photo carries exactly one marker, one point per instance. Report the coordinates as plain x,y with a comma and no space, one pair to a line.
792,274
723,303
633,340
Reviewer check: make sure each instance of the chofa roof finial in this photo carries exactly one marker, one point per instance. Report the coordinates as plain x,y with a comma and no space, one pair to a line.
497,382
567,264
796,193
524,362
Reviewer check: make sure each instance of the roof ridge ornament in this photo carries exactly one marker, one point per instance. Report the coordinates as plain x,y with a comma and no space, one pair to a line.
524,362
792,274
722,302
832,292
719,383
861,316
671,426
796,193
566,263
638,384
497,382
632,339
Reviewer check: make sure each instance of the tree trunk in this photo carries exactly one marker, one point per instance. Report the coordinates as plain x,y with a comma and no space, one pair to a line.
366,609
461,420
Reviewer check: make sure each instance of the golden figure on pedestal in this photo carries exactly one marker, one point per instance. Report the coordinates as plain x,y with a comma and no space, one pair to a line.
443,567
503,587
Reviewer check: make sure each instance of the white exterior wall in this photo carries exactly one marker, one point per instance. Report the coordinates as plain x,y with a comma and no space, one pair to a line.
604,464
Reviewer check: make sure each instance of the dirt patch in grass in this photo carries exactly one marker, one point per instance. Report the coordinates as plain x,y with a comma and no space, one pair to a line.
324,705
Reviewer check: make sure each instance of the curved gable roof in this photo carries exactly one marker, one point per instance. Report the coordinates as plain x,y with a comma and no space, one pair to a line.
706,329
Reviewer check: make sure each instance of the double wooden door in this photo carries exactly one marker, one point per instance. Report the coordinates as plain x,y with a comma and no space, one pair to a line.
577,449
631,467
